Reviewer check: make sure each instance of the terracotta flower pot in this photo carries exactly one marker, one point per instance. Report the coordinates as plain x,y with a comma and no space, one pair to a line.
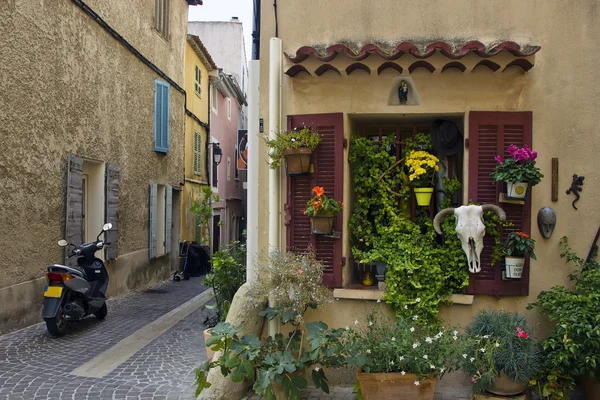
297,161
322,224
394,386
503,385
423,196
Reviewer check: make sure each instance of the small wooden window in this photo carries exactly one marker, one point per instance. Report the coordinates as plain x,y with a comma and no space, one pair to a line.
161,117
161,17
197,153
198,81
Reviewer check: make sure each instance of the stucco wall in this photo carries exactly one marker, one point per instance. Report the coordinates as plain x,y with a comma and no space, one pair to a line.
69,87
560,90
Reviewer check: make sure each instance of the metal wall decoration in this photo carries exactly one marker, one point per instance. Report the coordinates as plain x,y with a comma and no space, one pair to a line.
546,220
576,188
403,92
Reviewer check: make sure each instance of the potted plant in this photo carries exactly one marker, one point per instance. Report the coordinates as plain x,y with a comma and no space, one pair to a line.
571,350
403,358
516,246
296,147
501,355
322,211
422,166
294,282
518,171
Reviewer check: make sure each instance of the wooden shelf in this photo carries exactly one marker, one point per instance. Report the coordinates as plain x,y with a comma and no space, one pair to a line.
504,199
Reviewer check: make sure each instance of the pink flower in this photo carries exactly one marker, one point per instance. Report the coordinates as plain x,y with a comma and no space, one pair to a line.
498,158
473,380
523,335
512,149
533,155
300,271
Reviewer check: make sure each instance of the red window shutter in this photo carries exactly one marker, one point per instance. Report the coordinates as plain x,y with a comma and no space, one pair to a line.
328,172
490,134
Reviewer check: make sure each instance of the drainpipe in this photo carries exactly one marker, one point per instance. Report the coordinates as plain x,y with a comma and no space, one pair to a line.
275,60
253,157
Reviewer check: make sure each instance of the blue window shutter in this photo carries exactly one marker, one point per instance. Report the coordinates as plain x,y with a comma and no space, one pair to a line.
168,217
161,116
152,223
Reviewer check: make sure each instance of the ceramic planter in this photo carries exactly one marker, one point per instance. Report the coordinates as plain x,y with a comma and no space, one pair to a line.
209,352
503,385
322,224
516,190
394,386
514,267
297,161
423,196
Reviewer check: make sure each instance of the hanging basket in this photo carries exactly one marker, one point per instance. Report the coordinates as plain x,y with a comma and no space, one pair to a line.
297,161
514,267
423,196
322,224
516,190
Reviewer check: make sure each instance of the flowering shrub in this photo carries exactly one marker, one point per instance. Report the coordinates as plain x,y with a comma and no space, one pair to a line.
519,167
499,341
421,168
294,139
321,204
518,244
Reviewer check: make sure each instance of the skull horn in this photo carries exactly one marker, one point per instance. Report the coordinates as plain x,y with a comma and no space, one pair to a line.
499,211
439,217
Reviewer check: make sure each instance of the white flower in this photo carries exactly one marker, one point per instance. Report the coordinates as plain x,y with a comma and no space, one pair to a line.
417,383
418,299
403,373
415,317
455,337
347,328
391,362
497,344
379,300
472,359
428,339
412,328
415,345
368,351
370,323
393,339
442,369
355,322
482,350
465,355
405,307
432,366
293,140
425,356
401,358
486,336
441,334
317,369
455,333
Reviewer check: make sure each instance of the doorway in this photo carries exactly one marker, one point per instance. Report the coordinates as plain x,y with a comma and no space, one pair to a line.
216,233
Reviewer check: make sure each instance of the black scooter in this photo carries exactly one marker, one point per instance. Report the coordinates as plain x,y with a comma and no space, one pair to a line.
75,292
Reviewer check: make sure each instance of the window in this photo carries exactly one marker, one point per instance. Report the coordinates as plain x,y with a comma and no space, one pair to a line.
228,168
161,117
161,17
214,99
160,220
198,81
229,108
197,153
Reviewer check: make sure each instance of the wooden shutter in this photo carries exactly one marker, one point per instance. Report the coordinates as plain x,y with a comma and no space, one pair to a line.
112,210
161,117
168,217
197,153
74,205
152,221
490,134
328,172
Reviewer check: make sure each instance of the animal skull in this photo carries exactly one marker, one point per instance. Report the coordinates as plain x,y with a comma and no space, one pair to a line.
470,229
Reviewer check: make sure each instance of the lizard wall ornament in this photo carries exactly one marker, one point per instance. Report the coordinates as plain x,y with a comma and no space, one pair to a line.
576,188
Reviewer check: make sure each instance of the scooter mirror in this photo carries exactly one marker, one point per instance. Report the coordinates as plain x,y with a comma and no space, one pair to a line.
62,243
107,227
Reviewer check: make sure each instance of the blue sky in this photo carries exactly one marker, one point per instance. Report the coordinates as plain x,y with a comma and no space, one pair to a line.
223,10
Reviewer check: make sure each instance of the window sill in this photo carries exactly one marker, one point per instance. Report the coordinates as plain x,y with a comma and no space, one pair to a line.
373,294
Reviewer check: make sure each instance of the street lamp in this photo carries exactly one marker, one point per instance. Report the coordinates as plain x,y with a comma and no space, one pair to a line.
217,153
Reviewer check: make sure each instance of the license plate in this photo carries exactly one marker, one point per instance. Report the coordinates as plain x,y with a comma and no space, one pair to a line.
53,291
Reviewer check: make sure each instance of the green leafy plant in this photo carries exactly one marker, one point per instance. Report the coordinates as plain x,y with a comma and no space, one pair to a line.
573,348
421,168
228,273
203,211
293,139
519,244
322,205
519,167
421,141
500,341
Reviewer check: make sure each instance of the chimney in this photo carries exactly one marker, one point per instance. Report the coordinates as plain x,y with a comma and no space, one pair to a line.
234,19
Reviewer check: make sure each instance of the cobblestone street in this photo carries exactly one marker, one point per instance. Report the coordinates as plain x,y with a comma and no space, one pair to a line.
34,365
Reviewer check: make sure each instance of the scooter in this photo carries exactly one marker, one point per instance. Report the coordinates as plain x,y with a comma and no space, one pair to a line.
75,292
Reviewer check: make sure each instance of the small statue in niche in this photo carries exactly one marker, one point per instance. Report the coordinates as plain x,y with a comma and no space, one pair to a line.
403,92
546,220
576,188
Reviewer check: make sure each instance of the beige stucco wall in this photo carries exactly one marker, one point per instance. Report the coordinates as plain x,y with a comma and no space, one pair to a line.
69,87
561,91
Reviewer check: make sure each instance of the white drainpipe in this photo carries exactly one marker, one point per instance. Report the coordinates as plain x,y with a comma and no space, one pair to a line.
253,157
275,74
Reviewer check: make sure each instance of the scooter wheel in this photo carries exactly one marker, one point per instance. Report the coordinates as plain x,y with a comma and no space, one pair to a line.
102,311
176,278
56,325
186,277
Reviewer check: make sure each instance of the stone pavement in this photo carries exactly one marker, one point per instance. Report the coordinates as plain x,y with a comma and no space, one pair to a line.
35,365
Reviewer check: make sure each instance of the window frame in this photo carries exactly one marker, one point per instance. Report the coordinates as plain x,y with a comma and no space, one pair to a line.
214,103
162,18
197,154
198,81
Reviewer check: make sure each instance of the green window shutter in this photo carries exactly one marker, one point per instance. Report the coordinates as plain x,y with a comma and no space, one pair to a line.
197,153
74,204
168,217
152,219
161,116
112,210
